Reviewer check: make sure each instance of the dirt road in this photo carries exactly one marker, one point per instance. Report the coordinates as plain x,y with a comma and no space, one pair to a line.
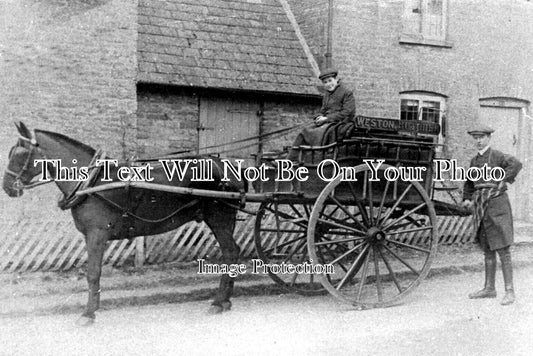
438,319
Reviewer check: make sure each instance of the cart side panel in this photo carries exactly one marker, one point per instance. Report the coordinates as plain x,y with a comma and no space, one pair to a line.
398,151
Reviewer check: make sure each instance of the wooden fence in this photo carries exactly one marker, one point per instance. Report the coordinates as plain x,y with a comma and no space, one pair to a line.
57,245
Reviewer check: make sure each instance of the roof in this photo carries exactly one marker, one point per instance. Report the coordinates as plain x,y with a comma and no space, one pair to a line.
228,44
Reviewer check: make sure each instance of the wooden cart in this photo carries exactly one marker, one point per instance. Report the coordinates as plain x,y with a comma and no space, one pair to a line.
362,225
375,225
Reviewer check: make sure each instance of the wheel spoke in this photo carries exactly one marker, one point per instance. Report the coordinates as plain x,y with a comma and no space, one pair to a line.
341,233
293,279
331,213
276,216
409,246
293,252
289,231
339,221
397,202
346,211
370,204
391,272
359,205
349,228
401,260
288,217
405,224
330,253
278,241
350,251
295,210
362,280
378,277
410,230
407,214
302,237
307,211
339,204
329,242
382,203
353,268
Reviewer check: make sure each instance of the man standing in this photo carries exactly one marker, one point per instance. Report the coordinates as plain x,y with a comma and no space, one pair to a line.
493,220
338,107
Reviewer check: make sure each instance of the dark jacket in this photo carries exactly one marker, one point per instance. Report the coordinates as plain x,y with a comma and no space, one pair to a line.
338,105
498,219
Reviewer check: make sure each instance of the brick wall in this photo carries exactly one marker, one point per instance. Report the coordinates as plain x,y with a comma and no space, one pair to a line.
68,67
482,62
167,120
491,55
284,113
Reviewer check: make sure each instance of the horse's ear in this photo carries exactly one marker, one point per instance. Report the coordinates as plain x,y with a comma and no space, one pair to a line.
23,130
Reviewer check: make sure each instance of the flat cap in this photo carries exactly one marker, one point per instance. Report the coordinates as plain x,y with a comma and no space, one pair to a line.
481,130
328,72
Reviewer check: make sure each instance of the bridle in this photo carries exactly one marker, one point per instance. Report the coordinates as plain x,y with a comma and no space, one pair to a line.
18,184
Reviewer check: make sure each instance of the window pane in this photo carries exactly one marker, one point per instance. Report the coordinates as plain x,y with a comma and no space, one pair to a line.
435,7
433,19
409,109
412,20
431,111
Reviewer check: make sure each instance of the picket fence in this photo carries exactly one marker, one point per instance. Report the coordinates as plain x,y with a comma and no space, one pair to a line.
57,245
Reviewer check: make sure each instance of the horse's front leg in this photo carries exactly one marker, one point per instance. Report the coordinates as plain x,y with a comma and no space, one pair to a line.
96,242
222,223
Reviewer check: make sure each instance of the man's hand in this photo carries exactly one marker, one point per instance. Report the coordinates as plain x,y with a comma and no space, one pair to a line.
468,204
320,120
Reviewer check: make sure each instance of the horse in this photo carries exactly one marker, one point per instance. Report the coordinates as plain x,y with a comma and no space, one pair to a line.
121,213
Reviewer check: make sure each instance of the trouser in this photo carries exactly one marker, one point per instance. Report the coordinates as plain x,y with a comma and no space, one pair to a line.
490,268
309,136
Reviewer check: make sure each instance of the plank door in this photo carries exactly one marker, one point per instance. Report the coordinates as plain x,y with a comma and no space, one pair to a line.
223,122
508,138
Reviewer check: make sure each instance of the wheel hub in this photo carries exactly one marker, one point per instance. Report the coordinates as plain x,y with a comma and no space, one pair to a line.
375,234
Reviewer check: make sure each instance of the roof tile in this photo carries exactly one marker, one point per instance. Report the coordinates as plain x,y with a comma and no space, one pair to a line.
235,44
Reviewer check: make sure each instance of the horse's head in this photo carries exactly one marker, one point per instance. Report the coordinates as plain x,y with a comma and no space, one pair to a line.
21,169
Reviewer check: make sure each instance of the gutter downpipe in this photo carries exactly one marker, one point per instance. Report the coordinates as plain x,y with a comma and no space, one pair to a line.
329,38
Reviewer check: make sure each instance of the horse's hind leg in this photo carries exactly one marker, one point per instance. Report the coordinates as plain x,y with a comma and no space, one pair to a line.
221,219
96,242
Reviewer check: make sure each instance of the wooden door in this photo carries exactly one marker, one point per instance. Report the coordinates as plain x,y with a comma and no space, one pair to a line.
508,138
226,126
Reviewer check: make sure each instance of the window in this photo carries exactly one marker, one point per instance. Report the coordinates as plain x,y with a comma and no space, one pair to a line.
425,22
421,105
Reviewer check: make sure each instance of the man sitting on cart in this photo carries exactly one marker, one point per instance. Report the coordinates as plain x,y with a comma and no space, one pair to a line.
335,117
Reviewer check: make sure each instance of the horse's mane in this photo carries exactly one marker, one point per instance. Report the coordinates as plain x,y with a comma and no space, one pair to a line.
62,138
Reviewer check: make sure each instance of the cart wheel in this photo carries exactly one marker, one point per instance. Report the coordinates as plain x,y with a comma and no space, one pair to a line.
280,238
379,237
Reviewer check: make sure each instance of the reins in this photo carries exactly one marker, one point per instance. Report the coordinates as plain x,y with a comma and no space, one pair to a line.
247,139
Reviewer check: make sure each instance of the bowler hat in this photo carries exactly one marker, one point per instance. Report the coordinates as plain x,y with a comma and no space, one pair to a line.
328,72
481,130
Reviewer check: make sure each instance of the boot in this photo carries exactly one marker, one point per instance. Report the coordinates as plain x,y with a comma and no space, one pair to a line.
507,269
489,291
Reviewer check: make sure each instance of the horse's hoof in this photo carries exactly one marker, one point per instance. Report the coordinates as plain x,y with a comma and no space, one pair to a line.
219,308
226,306
214,309
85,321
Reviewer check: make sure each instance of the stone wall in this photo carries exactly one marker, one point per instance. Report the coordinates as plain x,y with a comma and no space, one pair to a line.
69,67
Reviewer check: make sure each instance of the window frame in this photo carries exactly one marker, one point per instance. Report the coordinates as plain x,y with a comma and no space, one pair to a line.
421,35
425,96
